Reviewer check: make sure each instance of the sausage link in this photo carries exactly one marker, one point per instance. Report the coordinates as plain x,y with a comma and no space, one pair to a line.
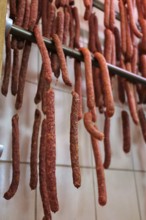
108,45
74,147
123,26
44,17
13,9
113,58
42,172
106,13
126,131
66,27
22,75
50,18
107,91
71,29
88,77
40,87
15,72
107,145
97,40
142,120
98,89
62,60
77,27
91,41
34,150
44,53
7,70
117,43
134,60
112,15
33,14
131,19
102,194
78,86
15,159
91,128
129,88
88,9
51,150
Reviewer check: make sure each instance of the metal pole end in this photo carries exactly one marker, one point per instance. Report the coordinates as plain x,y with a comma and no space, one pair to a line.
9,23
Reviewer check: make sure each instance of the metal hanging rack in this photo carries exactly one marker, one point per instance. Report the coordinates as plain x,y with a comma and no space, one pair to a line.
73,53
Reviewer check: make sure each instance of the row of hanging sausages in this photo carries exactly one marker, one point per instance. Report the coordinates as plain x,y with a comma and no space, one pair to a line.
61,23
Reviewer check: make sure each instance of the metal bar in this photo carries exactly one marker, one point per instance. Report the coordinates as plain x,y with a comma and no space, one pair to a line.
98,4
21,33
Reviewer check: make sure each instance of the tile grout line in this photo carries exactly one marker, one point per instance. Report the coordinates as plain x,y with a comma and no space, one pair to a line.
35,209
136,189
82,166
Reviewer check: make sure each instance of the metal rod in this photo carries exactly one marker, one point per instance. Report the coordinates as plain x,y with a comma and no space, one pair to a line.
100,6
21,33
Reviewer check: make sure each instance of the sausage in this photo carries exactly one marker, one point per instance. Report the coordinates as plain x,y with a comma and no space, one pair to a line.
142,120
40,87
44,17
88,77
88,9
15,159
112,15
113,58
131,19
102,194
134,60
13,9
117,43
97,40
129,44
7,70
50,19
62,60
78,86
74,146
91,41
51,150
94,114
106,13
15,72
34,150
126,131
131,97
108,45
33,14
107,145
66,27
107,91
123,26
71,29
91,128
77,27
22,75
19,20
98,89
42,171
44,53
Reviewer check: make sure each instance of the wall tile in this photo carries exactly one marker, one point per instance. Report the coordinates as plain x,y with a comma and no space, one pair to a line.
141,187
121,197
21,206
74,203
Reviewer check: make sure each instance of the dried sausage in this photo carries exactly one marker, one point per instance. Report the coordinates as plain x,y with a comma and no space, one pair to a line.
126,131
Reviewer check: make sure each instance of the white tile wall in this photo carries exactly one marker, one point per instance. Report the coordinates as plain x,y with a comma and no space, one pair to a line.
125,181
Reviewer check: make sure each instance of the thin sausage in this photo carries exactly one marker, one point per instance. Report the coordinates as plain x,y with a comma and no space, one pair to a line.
51,150
42,172
107,145
62,60
126,131
123,26
15,72
22,74
91,128
15,159
108,45
74,146
89,78
107,91
7,69
33,14
66,27
77,27
142,120
34,150
102,194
